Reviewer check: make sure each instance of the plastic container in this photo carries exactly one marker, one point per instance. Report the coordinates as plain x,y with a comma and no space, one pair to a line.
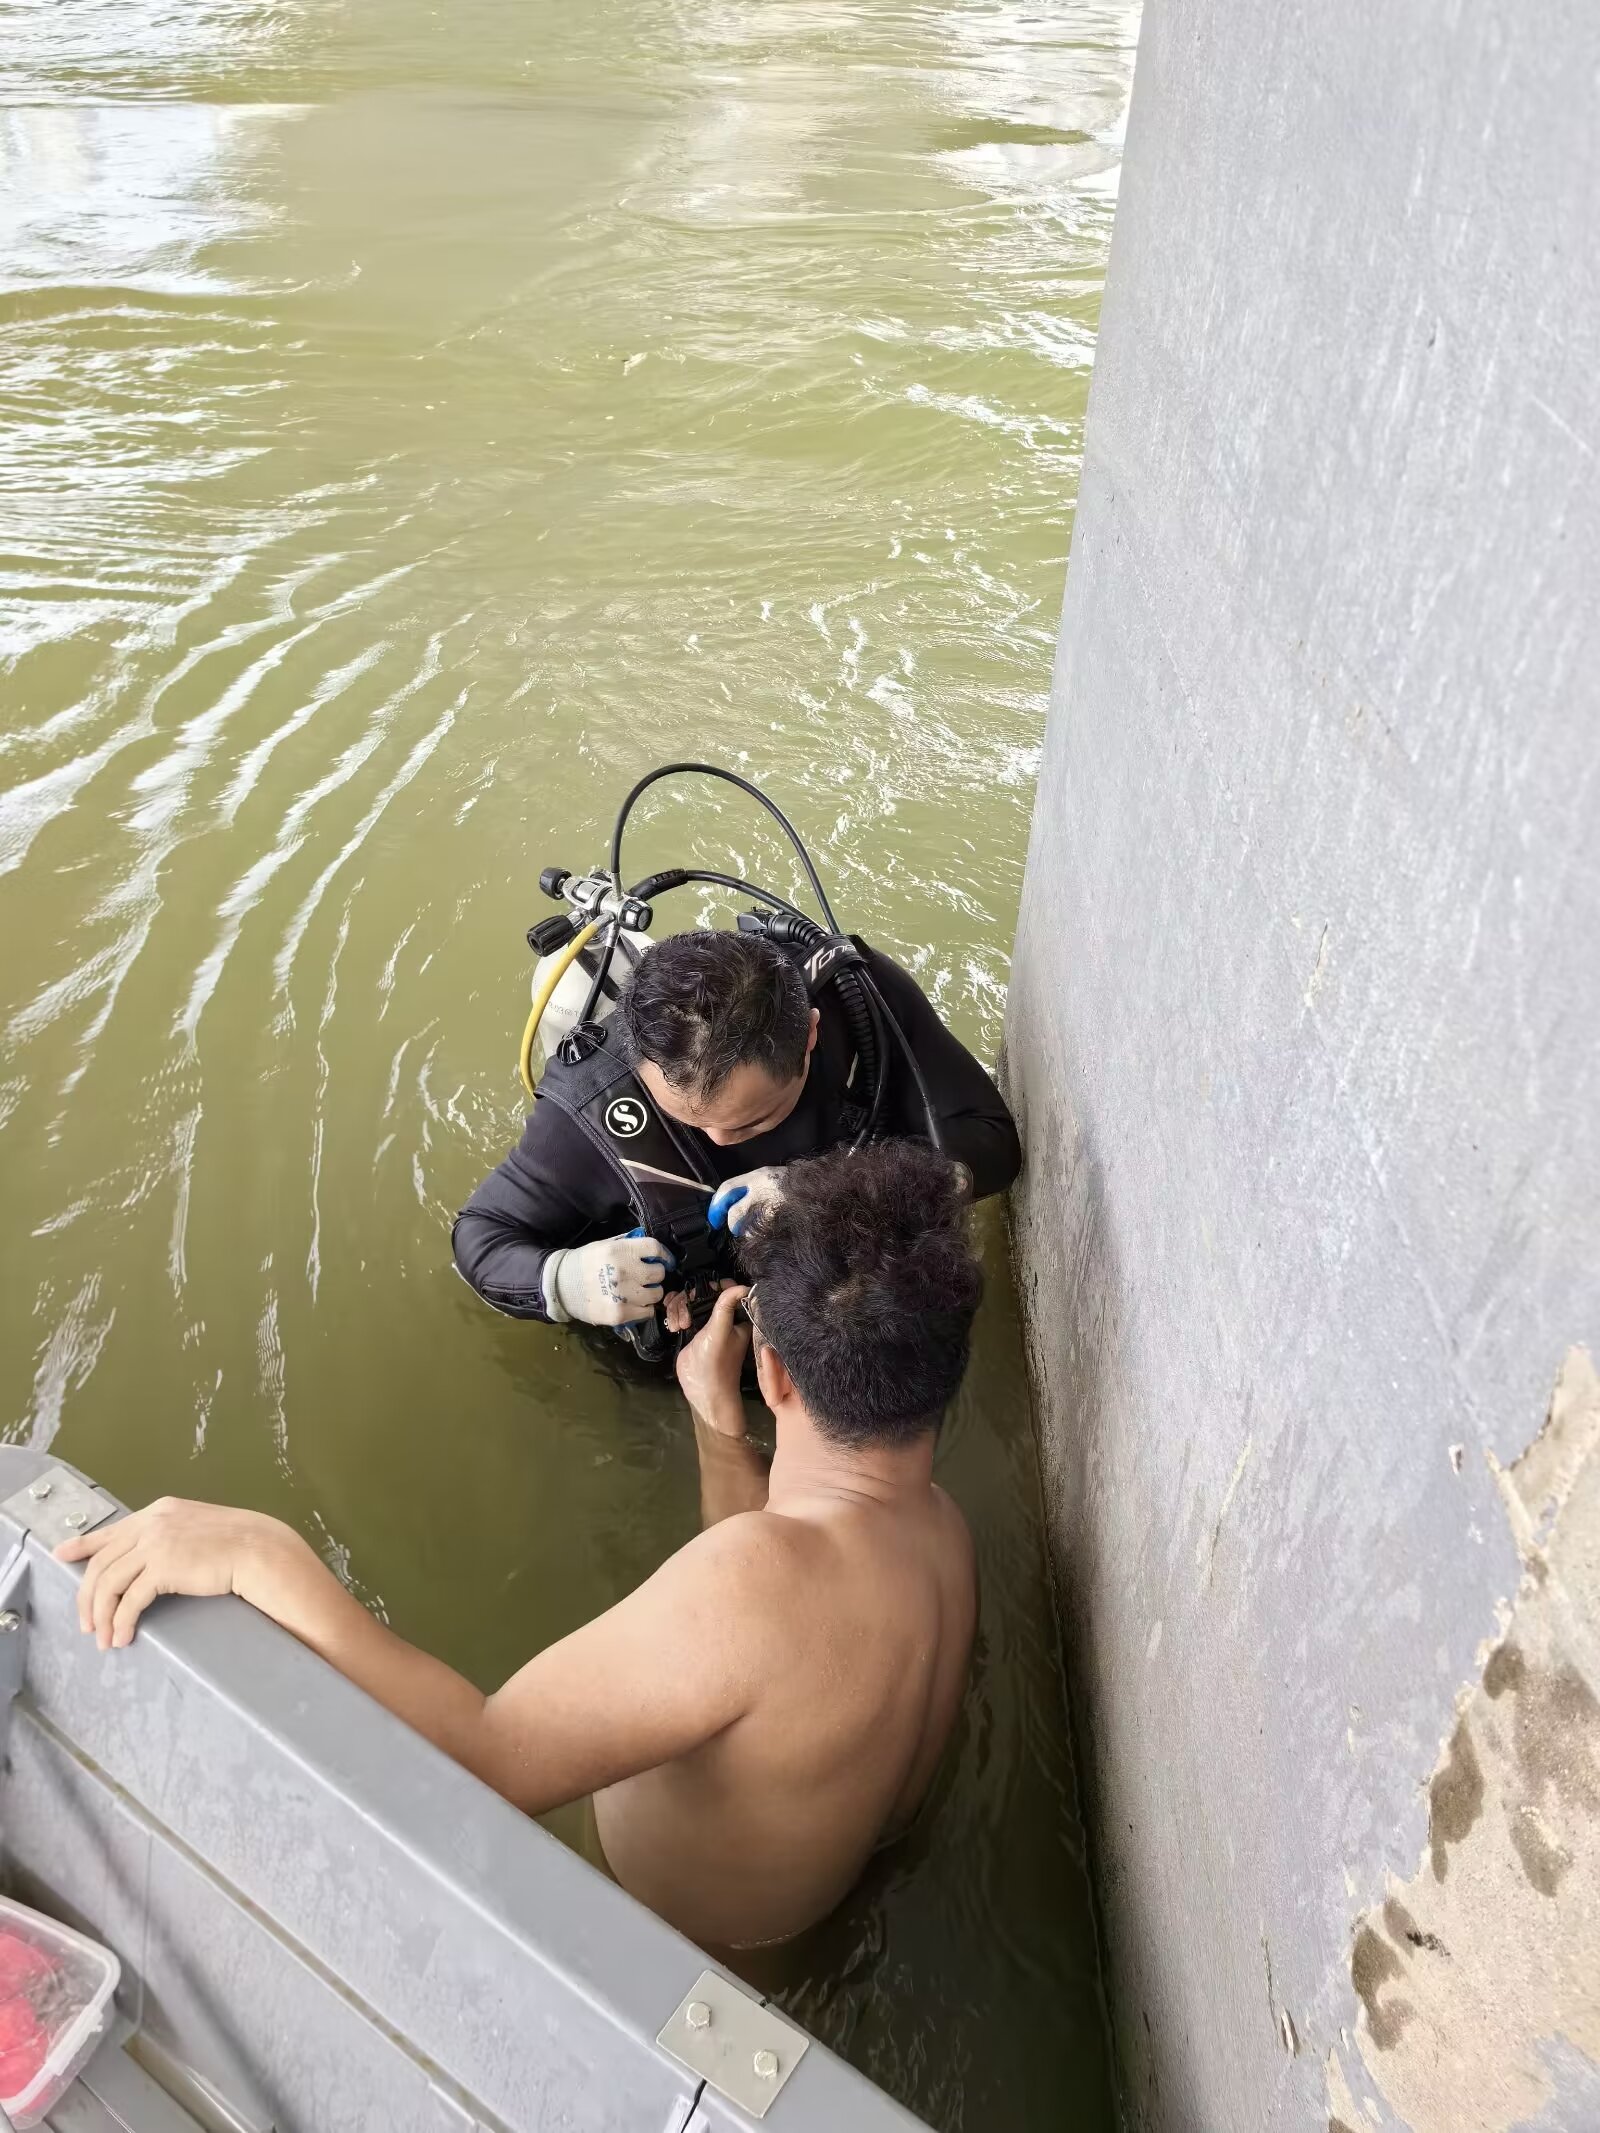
55,2002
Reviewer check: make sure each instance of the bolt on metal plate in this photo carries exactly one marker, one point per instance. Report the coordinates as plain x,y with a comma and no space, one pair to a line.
744,2050
58,1505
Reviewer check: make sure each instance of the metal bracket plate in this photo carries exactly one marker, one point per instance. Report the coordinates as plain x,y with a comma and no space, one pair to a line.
13,1637
57,1506
744,2050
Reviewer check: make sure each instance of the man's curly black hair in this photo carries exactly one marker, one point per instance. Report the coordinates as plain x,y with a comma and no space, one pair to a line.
866,1288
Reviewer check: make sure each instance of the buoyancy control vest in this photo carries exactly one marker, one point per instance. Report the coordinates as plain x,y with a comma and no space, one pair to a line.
664,1175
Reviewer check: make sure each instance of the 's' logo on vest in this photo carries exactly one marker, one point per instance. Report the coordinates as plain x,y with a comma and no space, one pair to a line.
625,1116
820,962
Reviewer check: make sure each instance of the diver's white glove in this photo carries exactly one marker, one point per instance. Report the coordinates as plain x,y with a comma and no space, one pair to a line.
741,1199
612,1283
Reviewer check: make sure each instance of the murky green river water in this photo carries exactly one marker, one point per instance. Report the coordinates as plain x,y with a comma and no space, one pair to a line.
417,420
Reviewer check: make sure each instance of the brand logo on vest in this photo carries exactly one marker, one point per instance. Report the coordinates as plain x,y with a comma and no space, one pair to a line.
625,1116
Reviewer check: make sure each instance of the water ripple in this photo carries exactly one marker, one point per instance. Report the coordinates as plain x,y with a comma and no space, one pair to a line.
416,425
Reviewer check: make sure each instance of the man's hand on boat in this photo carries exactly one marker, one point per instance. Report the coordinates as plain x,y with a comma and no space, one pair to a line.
171,1546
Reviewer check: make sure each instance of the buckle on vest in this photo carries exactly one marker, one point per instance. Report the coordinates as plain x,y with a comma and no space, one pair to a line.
701,1265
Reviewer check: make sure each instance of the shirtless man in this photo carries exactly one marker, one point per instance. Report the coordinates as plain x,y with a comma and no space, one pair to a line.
773,1703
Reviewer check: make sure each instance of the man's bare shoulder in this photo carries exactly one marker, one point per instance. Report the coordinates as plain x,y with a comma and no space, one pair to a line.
956,1552
735,1583
748,1545
953,1520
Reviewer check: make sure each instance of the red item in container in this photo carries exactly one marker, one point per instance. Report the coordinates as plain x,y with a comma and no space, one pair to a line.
21,1965
55,1997
26,1973
23,2045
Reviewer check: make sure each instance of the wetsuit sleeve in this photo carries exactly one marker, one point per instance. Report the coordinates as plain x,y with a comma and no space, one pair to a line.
553,1189
972,1114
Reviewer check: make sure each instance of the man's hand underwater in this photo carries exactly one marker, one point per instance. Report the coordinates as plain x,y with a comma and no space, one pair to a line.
709,1367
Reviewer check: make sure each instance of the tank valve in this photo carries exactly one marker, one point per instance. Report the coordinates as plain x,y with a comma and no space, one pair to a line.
549,934
553,882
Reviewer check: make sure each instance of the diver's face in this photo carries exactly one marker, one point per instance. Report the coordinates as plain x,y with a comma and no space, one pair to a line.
750,1102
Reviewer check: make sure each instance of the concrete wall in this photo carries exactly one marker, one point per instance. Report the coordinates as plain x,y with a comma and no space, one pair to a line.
1304,1033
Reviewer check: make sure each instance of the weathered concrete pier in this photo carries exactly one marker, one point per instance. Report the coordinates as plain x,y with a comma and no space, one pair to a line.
1305,1032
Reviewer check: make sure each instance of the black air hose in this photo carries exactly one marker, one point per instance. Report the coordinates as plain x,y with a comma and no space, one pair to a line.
857,996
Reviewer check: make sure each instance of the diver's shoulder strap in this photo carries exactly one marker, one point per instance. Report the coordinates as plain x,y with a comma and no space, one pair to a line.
584,1066
592,1079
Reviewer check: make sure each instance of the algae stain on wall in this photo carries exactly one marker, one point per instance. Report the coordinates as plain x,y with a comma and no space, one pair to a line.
1483,1970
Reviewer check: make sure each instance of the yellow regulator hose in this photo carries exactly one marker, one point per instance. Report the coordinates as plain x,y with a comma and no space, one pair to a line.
541,999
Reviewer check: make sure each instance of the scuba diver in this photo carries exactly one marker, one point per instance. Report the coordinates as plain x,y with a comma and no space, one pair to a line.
671,1102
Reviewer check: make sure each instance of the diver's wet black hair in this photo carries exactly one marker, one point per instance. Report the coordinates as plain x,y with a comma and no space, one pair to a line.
701,1004
866,1284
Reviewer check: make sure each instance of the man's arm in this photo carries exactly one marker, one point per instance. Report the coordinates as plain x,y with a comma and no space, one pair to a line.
977,1127
552,1190
733,1474
666,1669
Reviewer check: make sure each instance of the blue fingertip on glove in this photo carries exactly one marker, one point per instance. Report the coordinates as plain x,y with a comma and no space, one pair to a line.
669,1261
724,1203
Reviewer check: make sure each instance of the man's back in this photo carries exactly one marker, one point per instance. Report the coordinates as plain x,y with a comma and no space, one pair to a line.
849,1618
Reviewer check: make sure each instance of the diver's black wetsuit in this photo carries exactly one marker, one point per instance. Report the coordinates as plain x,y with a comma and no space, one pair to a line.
556,1189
